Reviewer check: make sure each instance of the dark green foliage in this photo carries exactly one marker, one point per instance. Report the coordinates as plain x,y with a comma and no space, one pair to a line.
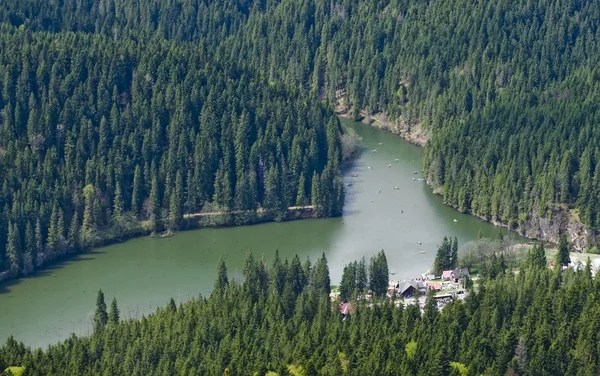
446,257
222,280
108,133
348,282
320,276
536,322
537,256
101,316
379,274
113,314
562,255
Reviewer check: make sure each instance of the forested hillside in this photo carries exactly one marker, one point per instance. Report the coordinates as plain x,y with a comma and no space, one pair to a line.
103,138
508,90
94,91
280,322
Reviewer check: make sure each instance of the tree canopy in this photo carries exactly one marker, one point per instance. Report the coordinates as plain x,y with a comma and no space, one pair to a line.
538,321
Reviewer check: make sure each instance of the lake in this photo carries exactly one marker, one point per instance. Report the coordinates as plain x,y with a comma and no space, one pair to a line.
145,273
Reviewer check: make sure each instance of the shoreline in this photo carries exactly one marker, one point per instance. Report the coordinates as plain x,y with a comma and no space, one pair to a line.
192,221
535,228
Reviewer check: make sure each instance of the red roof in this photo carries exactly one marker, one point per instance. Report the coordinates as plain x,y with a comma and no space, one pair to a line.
346,308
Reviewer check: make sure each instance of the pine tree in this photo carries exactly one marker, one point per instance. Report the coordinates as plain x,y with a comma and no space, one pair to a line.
29,249
222,281
537,256
562,256
320,280
454,254
314,195
443,257
136,196
39,244
52,238
176,202
100,317
154,205
60,233
113,314
13,249
379,274
88,213
348,282
74,238
301,195
117,204
361,275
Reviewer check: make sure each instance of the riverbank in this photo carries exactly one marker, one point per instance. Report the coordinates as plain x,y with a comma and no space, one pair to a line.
191,221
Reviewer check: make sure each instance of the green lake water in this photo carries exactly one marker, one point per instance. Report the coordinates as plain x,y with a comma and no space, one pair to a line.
144,274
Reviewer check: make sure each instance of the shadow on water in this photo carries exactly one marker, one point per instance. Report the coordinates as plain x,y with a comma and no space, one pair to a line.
51,268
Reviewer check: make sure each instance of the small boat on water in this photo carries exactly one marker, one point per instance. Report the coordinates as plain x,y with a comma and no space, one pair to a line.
390,165
396,160
371,200
421,252
374,150
381,143
415,172
350,184
397,188
379,191
419,243
369,167
354,175
455,220
401,211
414,179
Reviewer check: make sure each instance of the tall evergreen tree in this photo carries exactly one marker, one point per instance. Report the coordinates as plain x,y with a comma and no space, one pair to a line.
562,255
379,274
113,314
222,281
101,316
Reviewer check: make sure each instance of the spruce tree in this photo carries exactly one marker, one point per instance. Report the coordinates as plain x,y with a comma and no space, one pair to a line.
454,254
222,281
113,314
348,282
100,317
562,255
117,204
379,274
29,249
136,196
39,244
13,249
154,205
361,275
320,280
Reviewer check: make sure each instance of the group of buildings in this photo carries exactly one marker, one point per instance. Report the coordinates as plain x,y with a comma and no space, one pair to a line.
451,281
448,286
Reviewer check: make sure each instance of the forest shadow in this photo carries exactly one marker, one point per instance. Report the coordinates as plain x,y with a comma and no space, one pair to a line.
50,269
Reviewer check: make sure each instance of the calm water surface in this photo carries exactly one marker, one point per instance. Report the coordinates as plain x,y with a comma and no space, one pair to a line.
143,273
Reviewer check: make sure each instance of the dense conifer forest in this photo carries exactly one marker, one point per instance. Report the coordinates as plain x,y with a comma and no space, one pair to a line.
280,321
118,117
